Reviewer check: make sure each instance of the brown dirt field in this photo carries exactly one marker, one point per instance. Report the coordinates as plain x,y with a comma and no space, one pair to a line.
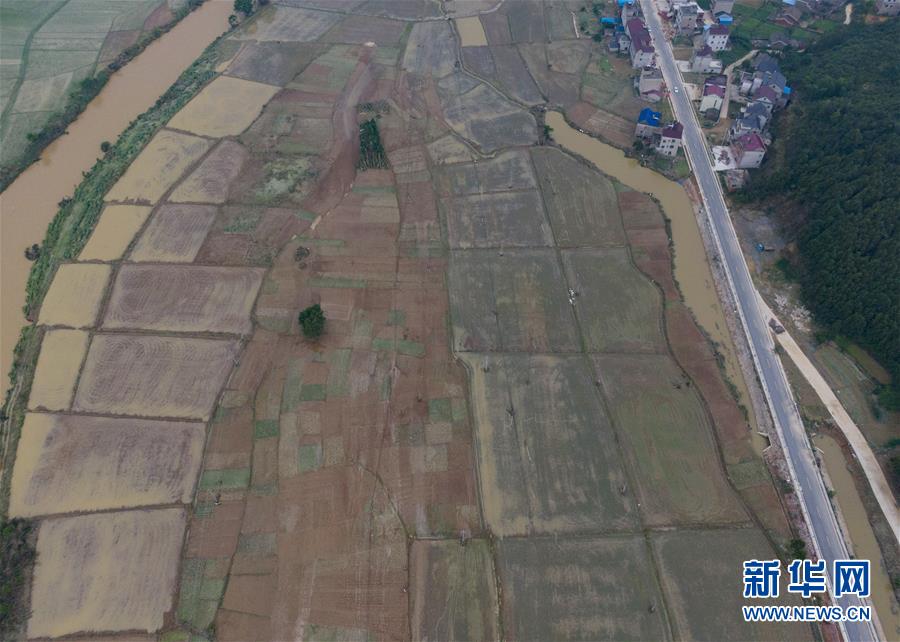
148,376
115,231
209,182
78,463
73,299
62,352
180,298
107,572
175,234
615,129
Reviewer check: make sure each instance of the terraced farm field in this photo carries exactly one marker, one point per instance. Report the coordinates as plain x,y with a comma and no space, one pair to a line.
510,427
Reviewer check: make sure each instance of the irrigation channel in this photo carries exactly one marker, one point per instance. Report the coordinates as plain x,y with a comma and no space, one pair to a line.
30,203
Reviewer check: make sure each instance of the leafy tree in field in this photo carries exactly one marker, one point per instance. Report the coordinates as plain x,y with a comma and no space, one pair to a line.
838,159
312,321
244,6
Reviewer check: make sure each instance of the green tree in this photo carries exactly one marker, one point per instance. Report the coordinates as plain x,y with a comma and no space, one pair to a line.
312,321
244,6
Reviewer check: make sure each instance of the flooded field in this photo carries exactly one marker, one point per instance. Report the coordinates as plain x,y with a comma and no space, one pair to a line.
861,535
691,268
30,203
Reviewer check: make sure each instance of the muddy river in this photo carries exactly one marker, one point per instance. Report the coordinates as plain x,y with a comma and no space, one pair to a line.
865,546
29,204
691,268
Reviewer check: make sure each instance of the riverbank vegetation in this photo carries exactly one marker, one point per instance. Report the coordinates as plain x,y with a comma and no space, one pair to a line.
79,98
836,163
16,560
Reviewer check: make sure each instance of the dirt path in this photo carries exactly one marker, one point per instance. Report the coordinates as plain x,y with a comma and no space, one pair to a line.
862,450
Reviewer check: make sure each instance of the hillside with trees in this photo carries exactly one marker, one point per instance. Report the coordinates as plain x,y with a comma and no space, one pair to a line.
838,162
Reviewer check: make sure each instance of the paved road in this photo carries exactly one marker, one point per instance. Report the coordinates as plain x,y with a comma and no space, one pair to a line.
826,534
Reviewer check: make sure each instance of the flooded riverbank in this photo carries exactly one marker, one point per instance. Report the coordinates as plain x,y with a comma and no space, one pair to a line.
691,268
29,204
865,546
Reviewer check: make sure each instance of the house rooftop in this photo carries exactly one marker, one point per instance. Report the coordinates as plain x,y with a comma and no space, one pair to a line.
751,142
756,109
719,79
649,117
765,62
705,50
765,92
718,30
711,90
640,37
673,131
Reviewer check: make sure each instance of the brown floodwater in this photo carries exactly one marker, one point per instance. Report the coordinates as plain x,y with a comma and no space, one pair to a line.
29,204
691,267
865,546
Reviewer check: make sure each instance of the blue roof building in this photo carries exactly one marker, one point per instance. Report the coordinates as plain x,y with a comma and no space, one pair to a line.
725,19
650,117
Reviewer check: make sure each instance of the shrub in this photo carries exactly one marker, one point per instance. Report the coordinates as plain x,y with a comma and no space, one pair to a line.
312,321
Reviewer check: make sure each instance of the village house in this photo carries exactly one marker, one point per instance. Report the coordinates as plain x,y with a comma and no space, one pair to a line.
766,97
713,97
687,17
704,61
648,124
670,140
887,7
714,89
748,150
752,120
789,16
641,47
716,37
628,10
650,84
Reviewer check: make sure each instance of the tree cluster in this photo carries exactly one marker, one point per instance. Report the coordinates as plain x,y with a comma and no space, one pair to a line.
839,161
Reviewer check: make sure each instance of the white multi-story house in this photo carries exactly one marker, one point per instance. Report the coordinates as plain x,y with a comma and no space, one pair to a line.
670,140
641,48
716,37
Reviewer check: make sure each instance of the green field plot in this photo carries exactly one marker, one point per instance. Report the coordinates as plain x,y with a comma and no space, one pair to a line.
274,63
47,46
526,26
619,308
559,86
516,302
507,171
548,460
585,589
430,49
668,441
483,115
502,219
513,74
289,24
581,203
453,594
701,576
